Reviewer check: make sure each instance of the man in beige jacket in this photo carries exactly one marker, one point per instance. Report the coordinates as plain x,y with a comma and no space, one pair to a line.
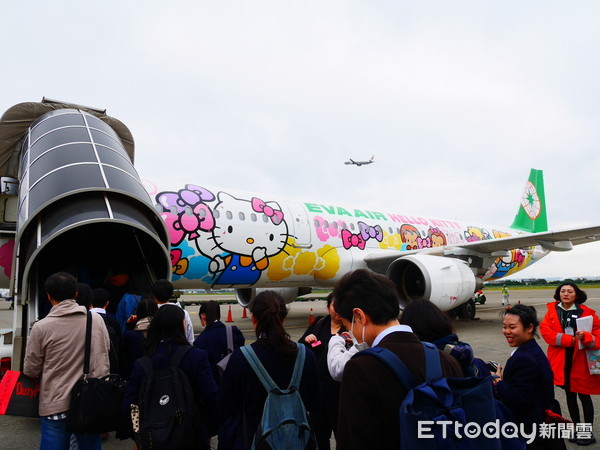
55,352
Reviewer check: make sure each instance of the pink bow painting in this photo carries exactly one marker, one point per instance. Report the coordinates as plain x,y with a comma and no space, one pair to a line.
352,240
261,207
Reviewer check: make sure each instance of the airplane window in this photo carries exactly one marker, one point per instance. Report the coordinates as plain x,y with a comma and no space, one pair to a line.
335,225
173,209
326,224
202,212
391,231
216,213
242,216
188,210
343,226
398,230
253,217
265,218
352,226
229,215
317,223
158,207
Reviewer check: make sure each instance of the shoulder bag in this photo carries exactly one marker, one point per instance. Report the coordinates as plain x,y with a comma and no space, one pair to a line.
95,402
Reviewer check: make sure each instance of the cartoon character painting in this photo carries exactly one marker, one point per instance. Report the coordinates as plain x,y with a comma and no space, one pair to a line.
409,235
238,254
436,237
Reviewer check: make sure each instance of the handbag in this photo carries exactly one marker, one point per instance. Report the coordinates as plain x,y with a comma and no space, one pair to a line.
95,402
222,364
593,360
19,395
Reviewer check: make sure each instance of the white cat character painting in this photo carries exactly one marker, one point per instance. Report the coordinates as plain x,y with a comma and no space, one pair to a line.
235,237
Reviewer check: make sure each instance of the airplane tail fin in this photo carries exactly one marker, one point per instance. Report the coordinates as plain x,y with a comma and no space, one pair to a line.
531,216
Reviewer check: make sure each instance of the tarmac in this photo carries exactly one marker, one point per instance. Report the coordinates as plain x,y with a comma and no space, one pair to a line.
484,334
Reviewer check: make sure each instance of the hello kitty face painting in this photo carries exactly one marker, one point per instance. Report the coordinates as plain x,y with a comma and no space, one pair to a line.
258,232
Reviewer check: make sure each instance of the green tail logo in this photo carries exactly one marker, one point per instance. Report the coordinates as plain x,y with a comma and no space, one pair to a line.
531,216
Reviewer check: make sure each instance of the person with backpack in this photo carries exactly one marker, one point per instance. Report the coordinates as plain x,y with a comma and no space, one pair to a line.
370,394
214,337
431,324
134,339
526,383
136,288
171,392
316,338
100,299
243,395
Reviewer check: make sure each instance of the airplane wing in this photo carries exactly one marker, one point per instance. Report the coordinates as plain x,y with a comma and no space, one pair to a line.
549,240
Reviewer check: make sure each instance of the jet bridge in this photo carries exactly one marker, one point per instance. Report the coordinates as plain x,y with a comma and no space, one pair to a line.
80,205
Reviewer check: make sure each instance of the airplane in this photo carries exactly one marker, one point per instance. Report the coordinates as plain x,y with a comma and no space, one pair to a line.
360,163
71,199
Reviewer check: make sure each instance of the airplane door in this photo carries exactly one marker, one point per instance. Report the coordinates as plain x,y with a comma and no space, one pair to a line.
298,224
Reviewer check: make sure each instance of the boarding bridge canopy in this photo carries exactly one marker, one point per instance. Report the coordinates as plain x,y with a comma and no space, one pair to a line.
15,122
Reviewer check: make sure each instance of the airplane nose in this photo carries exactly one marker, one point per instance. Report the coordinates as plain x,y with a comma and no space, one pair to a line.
250,241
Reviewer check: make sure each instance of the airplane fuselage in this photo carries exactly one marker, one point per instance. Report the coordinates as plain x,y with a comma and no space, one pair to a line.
236,239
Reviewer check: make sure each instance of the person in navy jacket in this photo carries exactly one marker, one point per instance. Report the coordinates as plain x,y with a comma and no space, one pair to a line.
165,335
214,337
526,386
242,396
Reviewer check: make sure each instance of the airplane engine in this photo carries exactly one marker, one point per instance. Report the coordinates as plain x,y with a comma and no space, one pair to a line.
246,295
447,282
81,209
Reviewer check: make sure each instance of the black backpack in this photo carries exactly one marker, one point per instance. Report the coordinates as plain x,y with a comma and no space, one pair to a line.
169,416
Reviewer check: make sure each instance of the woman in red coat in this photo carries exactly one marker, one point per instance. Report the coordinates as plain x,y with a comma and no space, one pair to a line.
569,363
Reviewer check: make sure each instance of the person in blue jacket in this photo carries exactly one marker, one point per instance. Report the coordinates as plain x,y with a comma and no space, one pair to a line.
526,385
242,396
165,335
214,337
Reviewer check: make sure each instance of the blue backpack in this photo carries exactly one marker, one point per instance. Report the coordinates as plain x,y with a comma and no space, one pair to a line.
284,423
462,400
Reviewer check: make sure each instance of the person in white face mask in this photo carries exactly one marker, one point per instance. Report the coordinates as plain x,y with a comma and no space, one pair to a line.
370,395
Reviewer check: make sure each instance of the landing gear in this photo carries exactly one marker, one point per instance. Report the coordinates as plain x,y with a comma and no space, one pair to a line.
466,310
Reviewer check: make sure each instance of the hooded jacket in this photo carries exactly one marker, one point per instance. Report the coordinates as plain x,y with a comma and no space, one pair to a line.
55,351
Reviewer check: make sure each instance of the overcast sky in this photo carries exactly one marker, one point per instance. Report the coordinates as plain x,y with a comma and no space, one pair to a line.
457,100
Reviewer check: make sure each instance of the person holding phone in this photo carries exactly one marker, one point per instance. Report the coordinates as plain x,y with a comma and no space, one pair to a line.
317,337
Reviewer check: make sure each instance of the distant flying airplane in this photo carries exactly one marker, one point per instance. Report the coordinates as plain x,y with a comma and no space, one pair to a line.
360,163
71,200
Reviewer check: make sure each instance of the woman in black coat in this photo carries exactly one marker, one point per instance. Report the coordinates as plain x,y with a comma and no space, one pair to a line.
166,334
214,337
242,395
317,337
526,386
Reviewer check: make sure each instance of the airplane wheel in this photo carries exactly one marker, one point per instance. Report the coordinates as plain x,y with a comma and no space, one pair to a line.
467,310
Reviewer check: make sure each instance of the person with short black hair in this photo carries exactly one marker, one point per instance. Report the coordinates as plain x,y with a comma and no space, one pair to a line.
99,303
214,337
317,337
567,351
162,290
371,395
525,385
55,352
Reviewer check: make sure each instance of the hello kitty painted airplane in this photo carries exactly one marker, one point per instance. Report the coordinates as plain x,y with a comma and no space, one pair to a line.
70,199
250,242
